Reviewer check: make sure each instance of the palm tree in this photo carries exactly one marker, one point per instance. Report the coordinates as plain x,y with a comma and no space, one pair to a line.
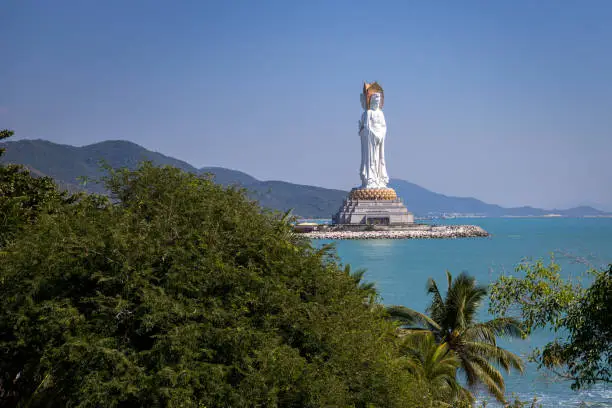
368,288
436,366
452,320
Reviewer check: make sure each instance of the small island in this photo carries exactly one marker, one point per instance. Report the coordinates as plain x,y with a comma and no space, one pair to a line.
414,231
373,210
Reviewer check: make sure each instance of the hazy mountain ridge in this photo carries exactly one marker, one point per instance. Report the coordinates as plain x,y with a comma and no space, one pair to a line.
67,163
423,202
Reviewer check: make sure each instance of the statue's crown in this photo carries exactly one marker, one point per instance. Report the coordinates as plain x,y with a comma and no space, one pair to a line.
372,88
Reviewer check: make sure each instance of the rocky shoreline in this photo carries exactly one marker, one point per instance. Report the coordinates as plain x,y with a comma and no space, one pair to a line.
412,232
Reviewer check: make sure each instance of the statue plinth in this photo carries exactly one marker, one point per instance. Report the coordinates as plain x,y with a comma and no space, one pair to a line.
373,212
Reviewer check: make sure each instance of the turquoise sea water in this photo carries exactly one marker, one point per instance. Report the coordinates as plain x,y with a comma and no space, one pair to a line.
400,269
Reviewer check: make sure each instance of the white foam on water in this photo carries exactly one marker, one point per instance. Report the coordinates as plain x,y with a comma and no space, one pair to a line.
599,396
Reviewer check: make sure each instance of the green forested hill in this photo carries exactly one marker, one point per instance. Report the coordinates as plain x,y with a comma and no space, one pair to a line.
67,163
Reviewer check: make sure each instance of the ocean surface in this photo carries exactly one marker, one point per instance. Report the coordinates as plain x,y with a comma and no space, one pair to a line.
400,269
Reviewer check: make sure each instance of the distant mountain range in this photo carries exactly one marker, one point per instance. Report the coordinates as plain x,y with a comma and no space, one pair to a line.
424,202
67,163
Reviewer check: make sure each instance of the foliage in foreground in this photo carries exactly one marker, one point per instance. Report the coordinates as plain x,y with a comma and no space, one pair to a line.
580,316
451,320
435,365
179,292
23,197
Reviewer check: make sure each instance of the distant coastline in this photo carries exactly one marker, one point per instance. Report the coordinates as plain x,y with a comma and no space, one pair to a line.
67,163
467,216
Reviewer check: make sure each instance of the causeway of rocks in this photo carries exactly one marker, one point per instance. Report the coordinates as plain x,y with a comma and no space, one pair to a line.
409,232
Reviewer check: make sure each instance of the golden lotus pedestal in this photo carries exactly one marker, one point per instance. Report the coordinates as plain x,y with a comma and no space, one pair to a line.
373,206
373,194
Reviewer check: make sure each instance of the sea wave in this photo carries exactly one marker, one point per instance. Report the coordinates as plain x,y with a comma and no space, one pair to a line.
599,396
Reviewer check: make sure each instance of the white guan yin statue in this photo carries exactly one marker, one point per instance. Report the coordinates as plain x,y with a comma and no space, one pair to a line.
373,129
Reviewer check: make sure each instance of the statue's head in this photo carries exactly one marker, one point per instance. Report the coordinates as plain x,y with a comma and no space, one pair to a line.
375,101
369,90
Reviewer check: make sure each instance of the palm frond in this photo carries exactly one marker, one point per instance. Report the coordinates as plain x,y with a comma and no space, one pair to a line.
436,309
466,395
498,355
287,216
357,276
435,365
368,287
480,332
462,301
474,298
490,377
489,331
409,317
325,250
469,370
505,327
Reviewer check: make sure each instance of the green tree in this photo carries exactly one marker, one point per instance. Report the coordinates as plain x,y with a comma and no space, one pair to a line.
452,320
178,292
23,197
580,316
368,288
435,366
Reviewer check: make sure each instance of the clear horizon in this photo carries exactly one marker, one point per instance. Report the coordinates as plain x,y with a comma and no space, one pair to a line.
505,102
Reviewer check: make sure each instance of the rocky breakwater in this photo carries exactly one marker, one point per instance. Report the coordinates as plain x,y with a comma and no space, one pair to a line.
412,232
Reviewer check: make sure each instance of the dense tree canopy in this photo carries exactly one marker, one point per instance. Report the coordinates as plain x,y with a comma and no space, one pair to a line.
580,315
176,291
23,197
179,292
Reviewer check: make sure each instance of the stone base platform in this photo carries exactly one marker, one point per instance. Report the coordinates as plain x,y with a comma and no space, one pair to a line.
414,231
373,212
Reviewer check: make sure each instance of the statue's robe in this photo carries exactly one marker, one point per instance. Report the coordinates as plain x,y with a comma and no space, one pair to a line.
373,131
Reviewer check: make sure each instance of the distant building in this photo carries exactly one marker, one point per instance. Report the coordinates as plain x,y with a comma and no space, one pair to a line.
306,227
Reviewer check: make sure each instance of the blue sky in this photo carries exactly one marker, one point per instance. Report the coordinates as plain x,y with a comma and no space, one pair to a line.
506,101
